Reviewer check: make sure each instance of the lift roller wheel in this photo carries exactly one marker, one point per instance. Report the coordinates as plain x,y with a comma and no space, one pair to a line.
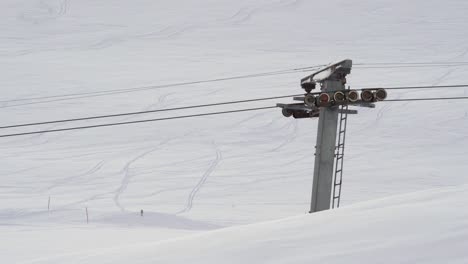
352,95
367,96
323,99
339,97
380,94
286,112
309,100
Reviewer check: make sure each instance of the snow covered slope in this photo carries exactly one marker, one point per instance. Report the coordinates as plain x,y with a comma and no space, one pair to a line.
199,174
424,227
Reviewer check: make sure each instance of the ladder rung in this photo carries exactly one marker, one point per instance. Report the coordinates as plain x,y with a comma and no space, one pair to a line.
339,156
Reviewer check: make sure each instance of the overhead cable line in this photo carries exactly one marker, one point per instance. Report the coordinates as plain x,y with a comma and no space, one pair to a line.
209,105
413,63
95,95
203,114
401,88
408,66
143,88
146,112
418,87
426,99
136,122
72,96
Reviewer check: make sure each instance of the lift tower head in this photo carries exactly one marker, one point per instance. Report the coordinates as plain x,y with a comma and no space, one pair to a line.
328,104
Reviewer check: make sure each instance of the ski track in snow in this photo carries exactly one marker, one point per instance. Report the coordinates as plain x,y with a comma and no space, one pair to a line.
244,14
241,16
126,169
127,176
84,201
156,193
202,181
291,136
71,179
52,12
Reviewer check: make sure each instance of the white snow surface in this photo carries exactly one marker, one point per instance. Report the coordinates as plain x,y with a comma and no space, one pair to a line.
214,188
413,228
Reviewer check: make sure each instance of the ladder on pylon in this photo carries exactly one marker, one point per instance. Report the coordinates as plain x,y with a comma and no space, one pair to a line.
339,156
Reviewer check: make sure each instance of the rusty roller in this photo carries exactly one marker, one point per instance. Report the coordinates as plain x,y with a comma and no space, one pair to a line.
367,96
324,99
380,94
309,100
353,96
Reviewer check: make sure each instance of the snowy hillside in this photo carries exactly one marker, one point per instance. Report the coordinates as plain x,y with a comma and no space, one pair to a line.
413,228
195,175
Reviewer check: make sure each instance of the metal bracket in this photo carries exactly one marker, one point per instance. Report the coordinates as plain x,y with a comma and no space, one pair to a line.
299,107
365,104
336,71
349,111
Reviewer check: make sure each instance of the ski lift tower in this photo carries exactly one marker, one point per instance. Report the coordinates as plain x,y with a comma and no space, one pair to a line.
330,105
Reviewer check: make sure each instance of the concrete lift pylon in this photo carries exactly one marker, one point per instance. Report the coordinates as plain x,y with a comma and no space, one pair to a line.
327,105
